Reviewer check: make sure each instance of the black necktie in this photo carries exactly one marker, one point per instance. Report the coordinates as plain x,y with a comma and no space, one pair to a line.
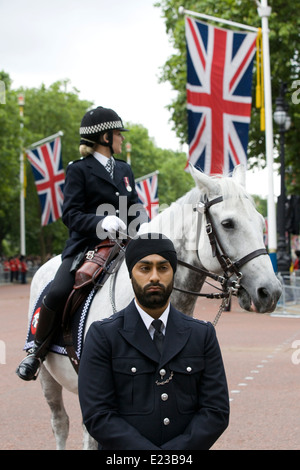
158,337
110,167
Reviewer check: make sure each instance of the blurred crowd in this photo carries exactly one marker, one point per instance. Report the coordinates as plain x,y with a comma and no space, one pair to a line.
16,268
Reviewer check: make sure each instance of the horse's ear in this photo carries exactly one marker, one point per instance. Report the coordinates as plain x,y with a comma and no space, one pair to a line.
239,175
205,183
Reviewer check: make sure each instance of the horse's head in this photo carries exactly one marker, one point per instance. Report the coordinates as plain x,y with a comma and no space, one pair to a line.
239,229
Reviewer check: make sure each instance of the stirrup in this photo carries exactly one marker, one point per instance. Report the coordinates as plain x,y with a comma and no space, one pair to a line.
34,375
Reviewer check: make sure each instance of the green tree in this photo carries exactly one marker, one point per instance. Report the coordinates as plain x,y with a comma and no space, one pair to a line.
146,158
47,111
284,38
10,146
261,205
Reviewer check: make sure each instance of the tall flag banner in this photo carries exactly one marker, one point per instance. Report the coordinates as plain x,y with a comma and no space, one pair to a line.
147,190
219,82
260,91
46,164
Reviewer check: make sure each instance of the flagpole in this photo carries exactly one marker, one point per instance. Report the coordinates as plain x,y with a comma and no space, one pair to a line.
21,101
44,141
264,12
182,11
22,206
147,176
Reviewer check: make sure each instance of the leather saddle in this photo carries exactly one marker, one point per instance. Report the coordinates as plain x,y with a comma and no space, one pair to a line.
96,267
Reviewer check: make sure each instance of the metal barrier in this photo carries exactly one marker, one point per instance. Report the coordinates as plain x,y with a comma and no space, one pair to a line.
289,302
287,306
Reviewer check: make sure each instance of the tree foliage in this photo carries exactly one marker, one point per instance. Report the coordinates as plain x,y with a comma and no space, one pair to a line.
147,158
47,111
284,37
9,157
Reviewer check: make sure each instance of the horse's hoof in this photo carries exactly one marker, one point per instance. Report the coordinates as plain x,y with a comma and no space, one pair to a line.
29,368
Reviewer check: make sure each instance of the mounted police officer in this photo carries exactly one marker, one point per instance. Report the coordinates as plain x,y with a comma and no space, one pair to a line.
139,393
99,195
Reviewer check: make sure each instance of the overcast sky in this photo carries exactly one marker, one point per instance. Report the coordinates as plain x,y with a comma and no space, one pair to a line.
111,51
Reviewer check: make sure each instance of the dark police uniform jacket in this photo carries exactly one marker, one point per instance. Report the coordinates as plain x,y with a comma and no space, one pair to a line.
131,398
90,194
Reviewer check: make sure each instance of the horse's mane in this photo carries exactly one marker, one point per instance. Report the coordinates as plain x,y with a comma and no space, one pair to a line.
228,188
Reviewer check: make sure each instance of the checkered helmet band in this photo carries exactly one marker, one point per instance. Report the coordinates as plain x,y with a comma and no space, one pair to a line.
99,120
104,126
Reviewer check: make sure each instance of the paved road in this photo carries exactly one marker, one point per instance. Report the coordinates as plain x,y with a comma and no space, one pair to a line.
257,350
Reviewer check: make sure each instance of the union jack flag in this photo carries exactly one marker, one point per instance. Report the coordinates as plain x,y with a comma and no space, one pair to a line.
219,79
46,164
147,190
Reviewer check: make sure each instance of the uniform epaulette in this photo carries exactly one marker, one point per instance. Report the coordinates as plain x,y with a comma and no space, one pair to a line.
120,160
75,161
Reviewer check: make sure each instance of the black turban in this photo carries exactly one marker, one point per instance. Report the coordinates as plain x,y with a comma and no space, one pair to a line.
149,244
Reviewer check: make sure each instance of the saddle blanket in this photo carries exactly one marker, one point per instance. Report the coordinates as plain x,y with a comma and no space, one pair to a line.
78,325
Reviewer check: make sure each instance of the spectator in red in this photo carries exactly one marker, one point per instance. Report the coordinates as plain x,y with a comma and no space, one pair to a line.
297,262
23,269
13,269
18,264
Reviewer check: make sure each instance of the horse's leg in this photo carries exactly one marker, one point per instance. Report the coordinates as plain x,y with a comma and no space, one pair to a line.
59,419
89,442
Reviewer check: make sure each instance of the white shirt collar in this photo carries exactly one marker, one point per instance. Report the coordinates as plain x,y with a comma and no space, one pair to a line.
147,319
101,158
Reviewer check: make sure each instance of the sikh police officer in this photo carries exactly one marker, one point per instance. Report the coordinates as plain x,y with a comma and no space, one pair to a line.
148,386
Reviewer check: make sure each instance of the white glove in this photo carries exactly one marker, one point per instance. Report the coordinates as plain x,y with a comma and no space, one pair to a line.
112,223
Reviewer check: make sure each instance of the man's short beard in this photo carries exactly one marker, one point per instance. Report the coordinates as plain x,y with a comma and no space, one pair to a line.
152,300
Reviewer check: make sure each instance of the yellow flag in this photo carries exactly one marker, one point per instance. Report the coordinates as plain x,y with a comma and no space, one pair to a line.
260,79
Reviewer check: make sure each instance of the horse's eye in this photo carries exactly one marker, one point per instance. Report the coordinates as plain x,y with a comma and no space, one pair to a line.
228,224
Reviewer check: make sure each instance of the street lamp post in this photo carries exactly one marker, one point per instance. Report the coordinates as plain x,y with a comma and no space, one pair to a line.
283,121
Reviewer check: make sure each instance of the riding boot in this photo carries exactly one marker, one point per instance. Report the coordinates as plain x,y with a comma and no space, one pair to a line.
48,321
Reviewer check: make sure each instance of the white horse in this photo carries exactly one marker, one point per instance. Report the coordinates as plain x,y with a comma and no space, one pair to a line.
238,227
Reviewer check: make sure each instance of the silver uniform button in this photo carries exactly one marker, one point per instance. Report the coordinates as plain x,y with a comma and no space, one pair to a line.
117,193
133,369
164,396
162,372
166,421
189,369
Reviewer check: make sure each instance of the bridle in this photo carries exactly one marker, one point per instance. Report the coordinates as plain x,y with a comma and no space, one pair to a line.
229,286
229,267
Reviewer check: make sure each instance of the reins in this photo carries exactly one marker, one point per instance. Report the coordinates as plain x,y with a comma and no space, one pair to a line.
229,287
